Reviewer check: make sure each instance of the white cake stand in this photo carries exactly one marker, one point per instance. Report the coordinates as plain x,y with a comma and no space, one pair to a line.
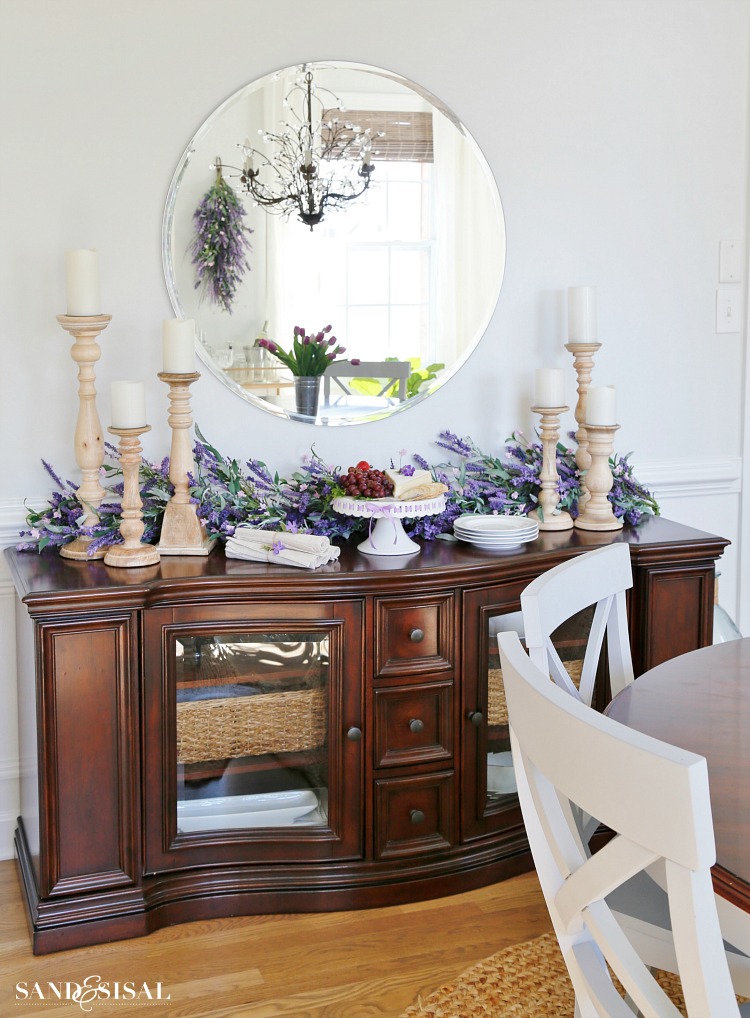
387,535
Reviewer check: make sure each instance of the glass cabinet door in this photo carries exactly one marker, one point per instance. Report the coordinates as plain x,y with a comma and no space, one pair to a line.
254,728
490,804
489,791
251,730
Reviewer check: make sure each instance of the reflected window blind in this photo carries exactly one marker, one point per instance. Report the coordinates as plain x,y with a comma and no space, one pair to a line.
407,137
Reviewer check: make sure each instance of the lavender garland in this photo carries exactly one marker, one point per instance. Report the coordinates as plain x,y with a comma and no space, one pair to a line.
228,494
220,245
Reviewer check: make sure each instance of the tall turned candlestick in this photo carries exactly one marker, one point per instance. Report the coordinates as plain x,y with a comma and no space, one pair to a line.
597,513
583,362
89,444
550,517
132,552
182,533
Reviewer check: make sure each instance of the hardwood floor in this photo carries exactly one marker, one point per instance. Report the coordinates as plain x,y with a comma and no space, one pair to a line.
330,965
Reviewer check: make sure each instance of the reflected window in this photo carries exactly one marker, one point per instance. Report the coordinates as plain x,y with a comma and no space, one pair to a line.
383,281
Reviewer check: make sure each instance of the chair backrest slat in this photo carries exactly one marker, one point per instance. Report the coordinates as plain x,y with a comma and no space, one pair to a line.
392,372
596,579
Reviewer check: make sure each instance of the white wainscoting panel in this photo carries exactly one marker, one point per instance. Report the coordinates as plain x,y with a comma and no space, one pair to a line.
8,716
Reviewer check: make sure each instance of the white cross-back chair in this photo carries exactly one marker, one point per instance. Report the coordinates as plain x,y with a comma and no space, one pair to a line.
655,798
390,372
599,578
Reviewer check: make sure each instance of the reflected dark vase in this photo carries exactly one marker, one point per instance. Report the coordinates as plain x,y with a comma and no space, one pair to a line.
306,394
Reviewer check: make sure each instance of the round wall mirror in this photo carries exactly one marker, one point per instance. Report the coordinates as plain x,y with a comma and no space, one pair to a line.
341,195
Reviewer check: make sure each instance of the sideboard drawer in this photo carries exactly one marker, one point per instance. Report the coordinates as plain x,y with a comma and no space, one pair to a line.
413,635
414,815
413,724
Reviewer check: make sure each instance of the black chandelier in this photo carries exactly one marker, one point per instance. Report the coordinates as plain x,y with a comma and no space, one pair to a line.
317,163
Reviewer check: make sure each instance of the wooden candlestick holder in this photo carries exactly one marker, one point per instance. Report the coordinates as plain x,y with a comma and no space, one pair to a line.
583,362
182,533
548,515
89,443
132,552
597,513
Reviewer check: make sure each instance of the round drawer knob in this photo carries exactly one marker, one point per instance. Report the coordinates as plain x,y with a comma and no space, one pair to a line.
476,717
417,816
416,635
416,725
354,734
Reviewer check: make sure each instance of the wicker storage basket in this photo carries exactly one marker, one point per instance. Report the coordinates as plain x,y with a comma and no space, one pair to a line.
497,708
251,725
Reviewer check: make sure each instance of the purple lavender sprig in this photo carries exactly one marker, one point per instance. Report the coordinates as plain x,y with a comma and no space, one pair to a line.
525,468
63,518
630,500
306,501
226,496
220,245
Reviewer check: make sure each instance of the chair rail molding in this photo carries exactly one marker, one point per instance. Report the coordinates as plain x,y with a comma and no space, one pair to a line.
13,517
691,478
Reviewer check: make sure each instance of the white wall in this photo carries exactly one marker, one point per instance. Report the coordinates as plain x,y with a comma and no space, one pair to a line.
617,132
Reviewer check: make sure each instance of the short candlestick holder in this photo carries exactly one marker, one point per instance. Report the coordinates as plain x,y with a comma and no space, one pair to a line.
89,444
182,533
549,516
583,362
597,513
132,552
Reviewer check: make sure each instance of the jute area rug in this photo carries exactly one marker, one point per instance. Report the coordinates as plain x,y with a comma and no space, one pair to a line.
527,980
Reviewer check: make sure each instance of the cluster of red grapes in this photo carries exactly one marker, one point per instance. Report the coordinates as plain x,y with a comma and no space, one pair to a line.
364,481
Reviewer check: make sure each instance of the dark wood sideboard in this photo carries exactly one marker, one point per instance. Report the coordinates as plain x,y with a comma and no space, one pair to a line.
383,663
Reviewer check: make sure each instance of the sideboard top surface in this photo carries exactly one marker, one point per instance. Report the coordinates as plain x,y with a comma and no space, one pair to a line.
47,582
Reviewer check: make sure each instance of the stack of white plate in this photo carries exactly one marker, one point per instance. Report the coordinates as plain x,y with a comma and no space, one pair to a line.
496,533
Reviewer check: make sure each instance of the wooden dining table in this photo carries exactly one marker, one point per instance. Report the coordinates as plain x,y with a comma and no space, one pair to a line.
701,702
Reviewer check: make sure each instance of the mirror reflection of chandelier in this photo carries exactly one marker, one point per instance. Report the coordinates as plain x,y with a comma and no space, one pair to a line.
317,163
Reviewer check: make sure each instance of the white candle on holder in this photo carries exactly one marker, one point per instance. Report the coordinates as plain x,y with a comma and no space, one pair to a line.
601,405
128,405
550,387
82,283
582,314
179,346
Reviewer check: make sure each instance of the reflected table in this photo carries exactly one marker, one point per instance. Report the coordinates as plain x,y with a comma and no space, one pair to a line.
701,702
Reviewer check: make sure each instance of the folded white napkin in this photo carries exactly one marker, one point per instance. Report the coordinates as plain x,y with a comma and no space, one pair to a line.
305,551
310,543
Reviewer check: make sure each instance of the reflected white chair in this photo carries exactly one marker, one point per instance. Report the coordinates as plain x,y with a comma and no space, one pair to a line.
599,578
655,798
390,372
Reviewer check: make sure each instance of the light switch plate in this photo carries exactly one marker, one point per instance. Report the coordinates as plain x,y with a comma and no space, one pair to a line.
727,310
730,261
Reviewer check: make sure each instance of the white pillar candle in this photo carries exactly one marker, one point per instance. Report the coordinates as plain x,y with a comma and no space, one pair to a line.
601,406
550,387
82,283
128,405
582,314
178,337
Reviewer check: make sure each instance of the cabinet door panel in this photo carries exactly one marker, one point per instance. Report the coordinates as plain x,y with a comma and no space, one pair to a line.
89,815
247,722
684,596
